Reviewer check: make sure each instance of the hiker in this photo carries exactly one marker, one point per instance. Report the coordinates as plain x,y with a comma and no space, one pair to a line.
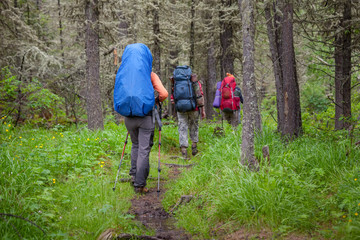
135,99
188,97
228,97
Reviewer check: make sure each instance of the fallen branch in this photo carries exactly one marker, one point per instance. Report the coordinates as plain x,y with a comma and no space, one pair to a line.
125,236
183,199
22,218
179,165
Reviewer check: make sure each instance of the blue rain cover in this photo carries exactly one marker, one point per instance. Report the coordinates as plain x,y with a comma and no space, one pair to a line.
133,91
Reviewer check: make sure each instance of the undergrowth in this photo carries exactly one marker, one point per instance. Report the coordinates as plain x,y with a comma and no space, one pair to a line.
310,187
61,179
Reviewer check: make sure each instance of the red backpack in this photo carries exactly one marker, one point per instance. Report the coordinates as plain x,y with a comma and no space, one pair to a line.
228,101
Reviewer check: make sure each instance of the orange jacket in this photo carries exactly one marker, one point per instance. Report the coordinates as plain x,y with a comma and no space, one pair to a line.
159,87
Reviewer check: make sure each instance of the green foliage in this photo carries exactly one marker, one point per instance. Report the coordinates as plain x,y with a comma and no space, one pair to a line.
309,184
314,98
62,179
35,100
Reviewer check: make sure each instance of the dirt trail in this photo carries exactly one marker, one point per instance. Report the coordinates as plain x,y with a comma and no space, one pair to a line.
148,210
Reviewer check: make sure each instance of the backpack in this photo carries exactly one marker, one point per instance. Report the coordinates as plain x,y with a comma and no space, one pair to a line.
228,101
133,91
184,95
217,99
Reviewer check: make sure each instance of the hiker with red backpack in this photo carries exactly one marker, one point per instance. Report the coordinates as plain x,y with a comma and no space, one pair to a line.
134,99
188,97
228,97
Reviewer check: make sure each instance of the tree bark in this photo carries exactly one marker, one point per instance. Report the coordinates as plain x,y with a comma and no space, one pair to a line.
342,57
226,37
211,80
249,88
93,98
292,112
274,49
192,34
173,54
280,34
61,34
156,30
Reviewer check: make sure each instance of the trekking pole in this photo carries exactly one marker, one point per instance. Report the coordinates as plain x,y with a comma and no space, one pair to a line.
122,156
159,169
158,118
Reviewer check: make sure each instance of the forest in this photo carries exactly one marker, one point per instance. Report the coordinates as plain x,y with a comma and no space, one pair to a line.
290,170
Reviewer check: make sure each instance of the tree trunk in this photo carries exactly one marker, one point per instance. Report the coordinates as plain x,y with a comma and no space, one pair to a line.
173,55
211,81
93,98
293,124
226,37
250,100
192,34
343,69
156,30
61,34
274,49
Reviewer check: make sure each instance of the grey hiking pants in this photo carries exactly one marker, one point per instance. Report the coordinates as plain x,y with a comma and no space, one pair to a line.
141,130
188,121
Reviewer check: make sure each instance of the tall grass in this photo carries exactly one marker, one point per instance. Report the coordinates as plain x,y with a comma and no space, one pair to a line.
61,179
310,183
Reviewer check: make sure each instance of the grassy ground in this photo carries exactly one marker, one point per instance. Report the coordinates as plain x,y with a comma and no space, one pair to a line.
62,179
310,188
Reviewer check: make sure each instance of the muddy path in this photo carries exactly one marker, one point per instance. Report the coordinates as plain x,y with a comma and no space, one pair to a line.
148,210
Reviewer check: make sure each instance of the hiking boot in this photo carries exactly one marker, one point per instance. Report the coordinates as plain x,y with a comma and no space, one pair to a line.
132,180
184,152
194,150
141,190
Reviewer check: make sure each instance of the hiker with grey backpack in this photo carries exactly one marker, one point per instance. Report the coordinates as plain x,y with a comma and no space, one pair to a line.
188,97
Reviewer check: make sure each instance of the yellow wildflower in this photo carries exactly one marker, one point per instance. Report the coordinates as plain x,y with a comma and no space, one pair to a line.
7,130
101,165
355,179
20,137
88,139
9,125
53,180
356,214
35,146
344,216
53,137
33,139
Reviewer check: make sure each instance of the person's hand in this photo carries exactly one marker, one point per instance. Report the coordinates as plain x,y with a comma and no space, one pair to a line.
203,114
